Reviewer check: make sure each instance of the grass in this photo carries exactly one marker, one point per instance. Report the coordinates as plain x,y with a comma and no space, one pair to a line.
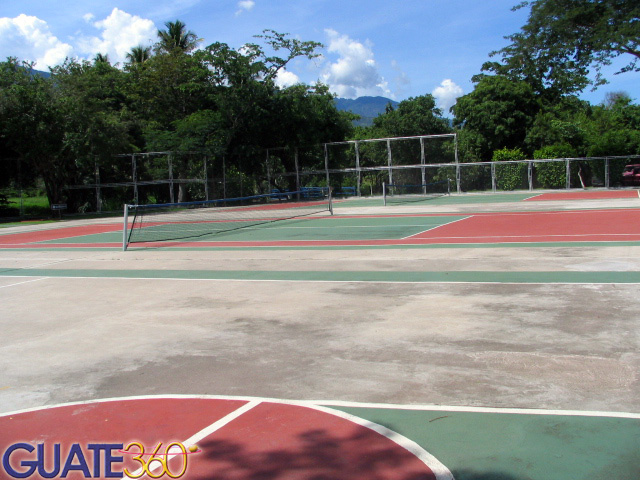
37,206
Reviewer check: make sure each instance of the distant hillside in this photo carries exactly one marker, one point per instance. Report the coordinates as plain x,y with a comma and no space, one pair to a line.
42,74
367,107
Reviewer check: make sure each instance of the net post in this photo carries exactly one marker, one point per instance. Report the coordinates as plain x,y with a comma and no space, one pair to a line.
125,227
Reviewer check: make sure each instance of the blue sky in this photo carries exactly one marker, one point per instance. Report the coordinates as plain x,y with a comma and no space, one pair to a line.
373,47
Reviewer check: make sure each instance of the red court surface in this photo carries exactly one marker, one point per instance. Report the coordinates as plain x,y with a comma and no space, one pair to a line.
510,227
56,234
576,226
585,195
236,440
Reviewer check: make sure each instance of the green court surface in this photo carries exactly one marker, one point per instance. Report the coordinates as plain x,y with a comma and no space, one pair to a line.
550,277
317,228
510,446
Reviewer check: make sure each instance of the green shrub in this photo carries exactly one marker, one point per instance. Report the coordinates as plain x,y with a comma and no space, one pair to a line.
554,174
510,176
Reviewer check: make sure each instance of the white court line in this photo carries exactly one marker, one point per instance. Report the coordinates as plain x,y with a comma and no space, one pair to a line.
45,264
533,196
314,280
205,432
262,228
437,226
324,405
338,403
26,281
567,235
440,470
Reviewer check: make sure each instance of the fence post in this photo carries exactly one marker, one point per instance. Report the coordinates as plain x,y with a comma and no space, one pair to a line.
124,229
268,173
494,183
530,175
458,178
296,159
358,172
224,177
606,172
206,178
326,164
135,178
390,162
170,162
98,199
423,162
568,173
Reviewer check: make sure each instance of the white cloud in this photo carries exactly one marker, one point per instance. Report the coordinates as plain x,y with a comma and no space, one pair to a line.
120,32
29,38
286,79
355,72
446,94
245,6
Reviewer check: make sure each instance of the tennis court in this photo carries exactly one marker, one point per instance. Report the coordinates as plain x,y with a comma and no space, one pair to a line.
485,336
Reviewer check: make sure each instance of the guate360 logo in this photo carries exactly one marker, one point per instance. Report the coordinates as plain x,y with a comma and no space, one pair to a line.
23,460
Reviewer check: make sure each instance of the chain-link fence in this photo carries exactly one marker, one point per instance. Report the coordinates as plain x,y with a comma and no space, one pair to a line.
353,168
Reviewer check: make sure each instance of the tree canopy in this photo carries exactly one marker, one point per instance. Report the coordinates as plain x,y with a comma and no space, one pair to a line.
528,99
564,39
216,100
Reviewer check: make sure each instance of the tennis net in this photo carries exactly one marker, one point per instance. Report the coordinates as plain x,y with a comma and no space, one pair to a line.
395,194
178,221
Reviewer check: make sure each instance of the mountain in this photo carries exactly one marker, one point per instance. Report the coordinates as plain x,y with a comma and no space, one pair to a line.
367,107
41,73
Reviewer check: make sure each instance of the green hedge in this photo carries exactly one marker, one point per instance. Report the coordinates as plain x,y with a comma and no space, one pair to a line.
554,174
510,176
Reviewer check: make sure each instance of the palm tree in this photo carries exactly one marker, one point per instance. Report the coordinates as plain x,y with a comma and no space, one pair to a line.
176,37
139,54
101,58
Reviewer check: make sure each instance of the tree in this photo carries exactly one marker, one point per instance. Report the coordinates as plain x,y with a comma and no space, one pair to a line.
614,128
101,58
563,39
139,55
31,124
496,114
414,116
252,108
176,38
562,123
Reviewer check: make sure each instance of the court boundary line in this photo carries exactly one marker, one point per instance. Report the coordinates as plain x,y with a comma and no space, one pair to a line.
195,246
297,280
436,466
436,227
22,283
440,471
346,404
203,433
